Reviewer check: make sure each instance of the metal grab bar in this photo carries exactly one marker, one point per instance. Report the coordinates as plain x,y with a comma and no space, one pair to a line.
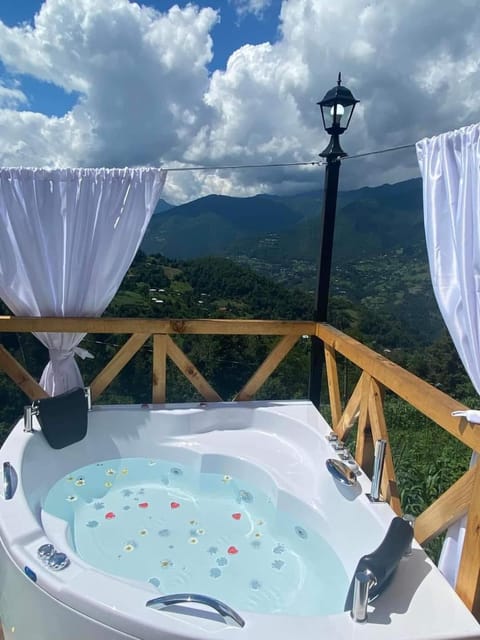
364,580
8,481
221,608
375,570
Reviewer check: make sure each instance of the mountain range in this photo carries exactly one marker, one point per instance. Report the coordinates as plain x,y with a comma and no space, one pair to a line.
279,229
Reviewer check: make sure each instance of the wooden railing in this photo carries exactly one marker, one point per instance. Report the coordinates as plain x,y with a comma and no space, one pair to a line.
364,409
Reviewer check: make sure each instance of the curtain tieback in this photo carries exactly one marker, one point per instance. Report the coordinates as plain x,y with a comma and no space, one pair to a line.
57,355
471,415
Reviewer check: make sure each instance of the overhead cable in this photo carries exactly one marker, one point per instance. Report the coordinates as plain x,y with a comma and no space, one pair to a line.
317,163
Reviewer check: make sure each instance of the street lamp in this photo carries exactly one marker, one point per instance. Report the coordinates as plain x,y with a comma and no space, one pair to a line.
337,109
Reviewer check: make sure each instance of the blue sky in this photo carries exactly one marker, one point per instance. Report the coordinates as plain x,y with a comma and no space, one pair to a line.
221,82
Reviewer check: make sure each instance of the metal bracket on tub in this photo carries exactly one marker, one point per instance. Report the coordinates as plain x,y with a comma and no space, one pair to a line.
28,412
88,396
221,608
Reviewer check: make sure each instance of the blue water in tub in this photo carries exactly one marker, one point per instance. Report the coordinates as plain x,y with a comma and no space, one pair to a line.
182,530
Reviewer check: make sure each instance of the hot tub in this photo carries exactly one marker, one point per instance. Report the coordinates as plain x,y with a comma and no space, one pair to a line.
230,501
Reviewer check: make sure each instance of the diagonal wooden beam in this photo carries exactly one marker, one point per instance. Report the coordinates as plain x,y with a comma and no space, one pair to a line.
364,449
333,386
268,366
351,411
379,432
468,579
159,383
447,509
116,364
191,372
20,376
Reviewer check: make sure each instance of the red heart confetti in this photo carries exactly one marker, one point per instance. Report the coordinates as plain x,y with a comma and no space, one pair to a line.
236,516
143,505
110,515
174,505
232,550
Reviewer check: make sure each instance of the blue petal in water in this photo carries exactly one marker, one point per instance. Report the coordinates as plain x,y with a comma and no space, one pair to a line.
215,573
98,505
277,564
222,562
92,524
212,550
154,581
255,585
164,533
279,549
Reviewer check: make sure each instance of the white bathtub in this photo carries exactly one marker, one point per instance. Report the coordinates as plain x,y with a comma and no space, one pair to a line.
285,442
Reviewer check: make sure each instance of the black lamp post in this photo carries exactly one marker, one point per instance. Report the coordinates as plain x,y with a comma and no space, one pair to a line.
337,109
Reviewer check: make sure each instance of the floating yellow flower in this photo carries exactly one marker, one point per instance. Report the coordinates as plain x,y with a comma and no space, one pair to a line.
108,484
124,471
193,540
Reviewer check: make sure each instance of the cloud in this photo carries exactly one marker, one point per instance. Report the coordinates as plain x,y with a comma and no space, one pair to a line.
414,66
257,7
146,96
11,97
141,76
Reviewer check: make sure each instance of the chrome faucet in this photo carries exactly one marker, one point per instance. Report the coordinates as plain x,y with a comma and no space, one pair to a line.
380,450
363,581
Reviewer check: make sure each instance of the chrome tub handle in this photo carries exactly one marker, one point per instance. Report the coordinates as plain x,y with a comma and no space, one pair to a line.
221,608
9,481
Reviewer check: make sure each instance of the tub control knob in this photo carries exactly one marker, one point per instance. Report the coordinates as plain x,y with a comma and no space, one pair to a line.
46,551
58,561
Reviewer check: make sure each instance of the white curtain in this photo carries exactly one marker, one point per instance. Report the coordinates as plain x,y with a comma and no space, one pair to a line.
67,239
450,167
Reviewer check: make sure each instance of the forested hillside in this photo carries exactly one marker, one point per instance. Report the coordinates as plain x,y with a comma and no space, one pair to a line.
218,288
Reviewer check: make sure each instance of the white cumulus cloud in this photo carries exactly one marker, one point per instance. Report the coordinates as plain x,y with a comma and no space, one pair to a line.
146,95
141,76
257,7
11,97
